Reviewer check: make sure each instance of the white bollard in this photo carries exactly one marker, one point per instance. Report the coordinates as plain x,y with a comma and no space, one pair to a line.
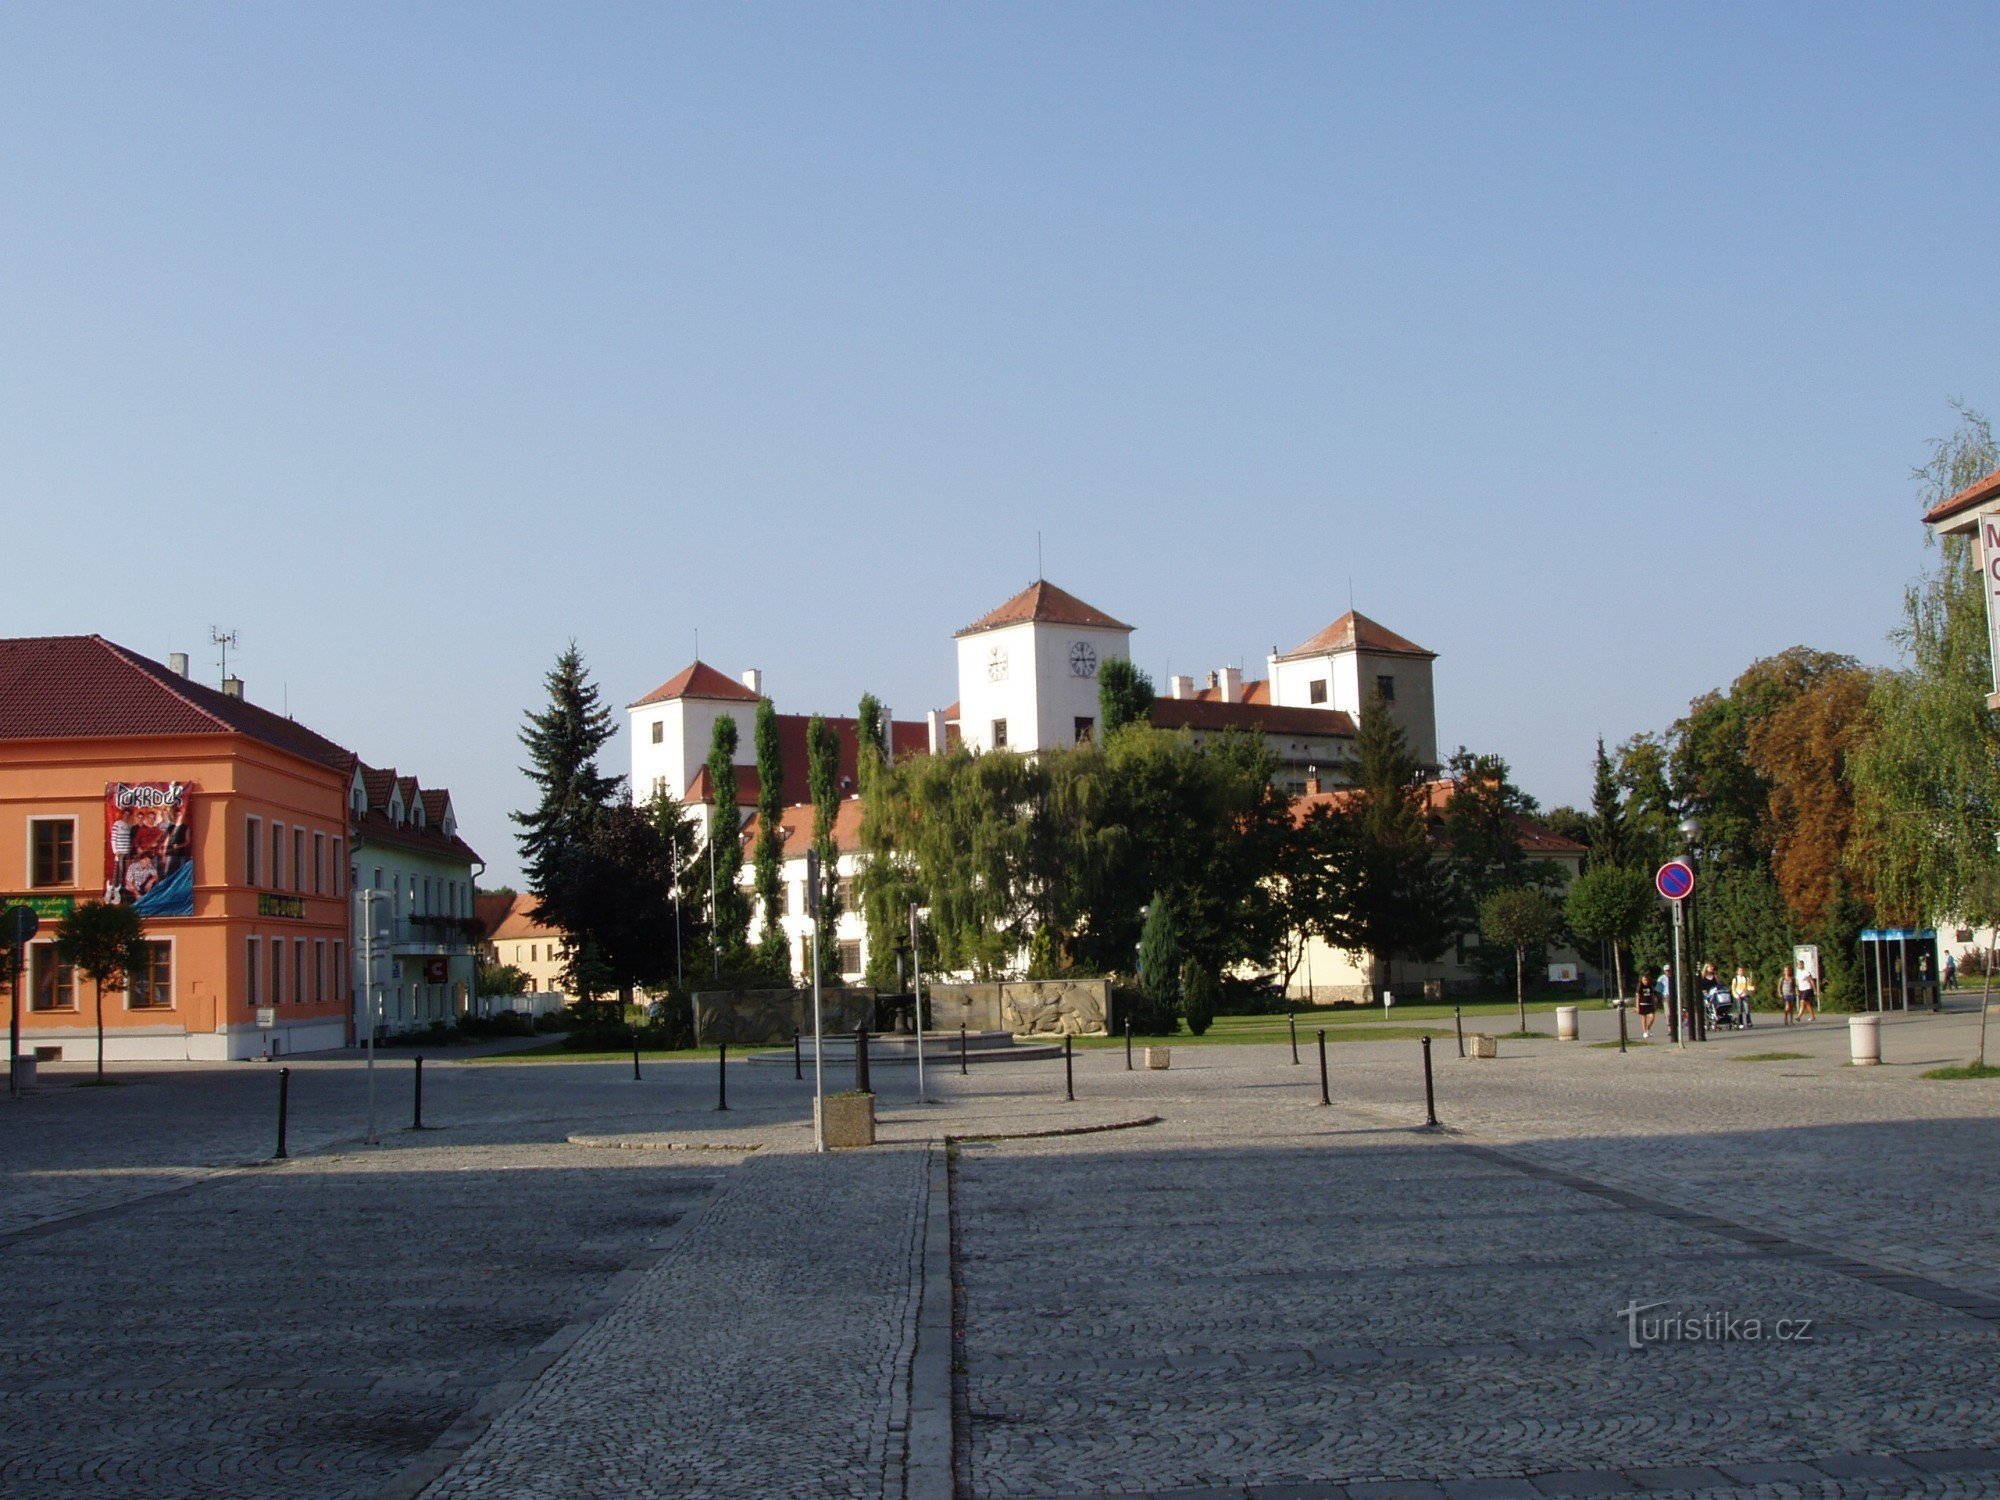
1864,1040
1566,1023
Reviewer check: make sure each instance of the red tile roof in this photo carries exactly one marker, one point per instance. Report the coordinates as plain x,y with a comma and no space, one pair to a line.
1045,602
798,824
906,738
85,687
374,827
435,803
1536,837
377,784
1256,690
492,908
699,680
1970,498
1261,718
1356,632
522,920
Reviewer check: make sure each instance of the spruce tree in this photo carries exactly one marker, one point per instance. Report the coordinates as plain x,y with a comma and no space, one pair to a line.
769,854
730,911
1608,842
563,741
823,780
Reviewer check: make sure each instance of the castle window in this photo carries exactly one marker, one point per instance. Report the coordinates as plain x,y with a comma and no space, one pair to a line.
999,734
659,730
1316,690
1386,686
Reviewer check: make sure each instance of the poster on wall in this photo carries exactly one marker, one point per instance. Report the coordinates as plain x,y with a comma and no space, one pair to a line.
149,847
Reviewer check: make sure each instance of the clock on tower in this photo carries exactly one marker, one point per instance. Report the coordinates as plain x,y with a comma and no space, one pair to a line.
1082,659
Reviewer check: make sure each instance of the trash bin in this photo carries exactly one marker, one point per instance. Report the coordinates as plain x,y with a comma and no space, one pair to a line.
24,1072
1864,1040
1566,1023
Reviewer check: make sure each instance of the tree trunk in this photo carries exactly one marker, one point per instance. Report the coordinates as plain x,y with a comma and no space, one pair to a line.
1520,986
100,1029
1985,1000
1618,963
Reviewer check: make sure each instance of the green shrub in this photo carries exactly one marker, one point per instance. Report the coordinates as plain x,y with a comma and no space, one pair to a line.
1198,989
1149,1017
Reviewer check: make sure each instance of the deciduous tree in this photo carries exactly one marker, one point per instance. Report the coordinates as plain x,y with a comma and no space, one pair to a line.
767,863
1124,695
1609,905
1523,918
106,945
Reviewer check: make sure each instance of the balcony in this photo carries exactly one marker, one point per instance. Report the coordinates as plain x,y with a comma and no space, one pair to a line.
432,936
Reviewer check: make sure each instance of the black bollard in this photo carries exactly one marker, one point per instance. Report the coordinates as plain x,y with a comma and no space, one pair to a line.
1069,1069
1430,1095
284,1101
1292,1020
1621,1025
635,1056
417,1123
722,1076
1128,1046
1324,1098
862,1083
961,1049
798,1062
1458,1022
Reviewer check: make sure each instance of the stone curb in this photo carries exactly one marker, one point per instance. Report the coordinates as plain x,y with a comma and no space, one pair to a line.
928,1471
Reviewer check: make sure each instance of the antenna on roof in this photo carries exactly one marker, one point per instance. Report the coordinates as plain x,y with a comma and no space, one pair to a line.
1038,555
225,639
1350,593
697,643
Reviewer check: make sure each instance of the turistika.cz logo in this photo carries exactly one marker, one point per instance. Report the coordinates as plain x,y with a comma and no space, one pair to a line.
1643,1326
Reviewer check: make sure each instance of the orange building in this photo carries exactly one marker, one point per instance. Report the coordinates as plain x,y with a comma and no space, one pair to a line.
226,825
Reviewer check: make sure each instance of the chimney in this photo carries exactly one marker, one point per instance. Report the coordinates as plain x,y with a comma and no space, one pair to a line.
232,687
754,680
178,663
1312,781
1214,682
1180,687
1232,684
935,719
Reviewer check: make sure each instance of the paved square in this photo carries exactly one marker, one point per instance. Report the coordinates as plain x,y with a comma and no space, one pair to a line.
583,1285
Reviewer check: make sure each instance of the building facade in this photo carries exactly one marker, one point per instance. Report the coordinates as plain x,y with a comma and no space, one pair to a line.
223,823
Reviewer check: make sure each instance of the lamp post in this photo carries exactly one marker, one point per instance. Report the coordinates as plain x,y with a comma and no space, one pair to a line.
1697,1021
917,998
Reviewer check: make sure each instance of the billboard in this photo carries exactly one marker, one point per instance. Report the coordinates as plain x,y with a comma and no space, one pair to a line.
149,847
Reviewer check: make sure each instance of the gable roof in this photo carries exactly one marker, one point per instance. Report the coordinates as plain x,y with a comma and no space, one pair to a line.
492,908
1974,495
698,680
522,919
1042,601
375,827
1536,837
1354,631
798,824
85,687
1259,718
906,738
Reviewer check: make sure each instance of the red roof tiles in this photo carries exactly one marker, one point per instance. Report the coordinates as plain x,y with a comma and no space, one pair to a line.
85,687
699,680
906,738
1356,632
1260,718
1043,601
1970,498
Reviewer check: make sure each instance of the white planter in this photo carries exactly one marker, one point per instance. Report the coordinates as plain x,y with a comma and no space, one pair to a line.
1159,1057
1566,1023
1864,1040
1481,1045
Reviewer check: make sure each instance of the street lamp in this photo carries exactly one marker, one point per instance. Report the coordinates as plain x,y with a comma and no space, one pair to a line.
1697,1018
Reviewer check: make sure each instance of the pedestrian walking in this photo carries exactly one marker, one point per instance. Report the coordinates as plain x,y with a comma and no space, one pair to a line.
1742,989
1648,1007
1663,989
1808,996
1951,971
1788,993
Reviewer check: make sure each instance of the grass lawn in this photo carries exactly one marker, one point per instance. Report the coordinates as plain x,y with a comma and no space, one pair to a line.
1963,1071
1767,1057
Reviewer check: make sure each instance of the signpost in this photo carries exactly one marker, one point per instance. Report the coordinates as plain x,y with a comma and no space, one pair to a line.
16,927
819,1040
1675,881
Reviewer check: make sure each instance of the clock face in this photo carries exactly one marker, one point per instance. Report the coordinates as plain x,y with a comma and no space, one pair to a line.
996,664
1082,659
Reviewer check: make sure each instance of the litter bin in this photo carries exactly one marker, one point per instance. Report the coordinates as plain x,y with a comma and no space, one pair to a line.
24,1072
1864,1040
1566,1023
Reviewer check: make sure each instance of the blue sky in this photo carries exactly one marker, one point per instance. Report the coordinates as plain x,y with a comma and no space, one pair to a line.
1594,344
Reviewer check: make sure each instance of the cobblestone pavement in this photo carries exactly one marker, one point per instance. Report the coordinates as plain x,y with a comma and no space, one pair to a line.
587,1285
1263,1297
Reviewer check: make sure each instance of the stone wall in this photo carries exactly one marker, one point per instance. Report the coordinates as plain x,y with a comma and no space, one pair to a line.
1029,1007
751,1018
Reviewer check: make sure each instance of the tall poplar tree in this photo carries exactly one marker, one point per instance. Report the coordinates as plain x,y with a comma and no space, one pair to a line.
730,911
562,742
823,779
769,854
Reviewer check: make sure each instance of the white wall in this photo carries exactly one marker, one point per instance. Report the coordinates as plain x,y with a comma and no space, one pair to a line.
1042,697
689,726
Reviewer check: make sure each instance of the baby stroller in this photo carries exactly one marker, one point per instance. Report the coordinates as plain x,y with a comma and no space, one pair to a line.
1721,1006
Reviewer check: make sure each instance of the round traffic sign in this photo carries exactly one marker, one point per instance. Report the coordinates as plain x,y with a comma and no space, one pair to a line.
19,924
1675,880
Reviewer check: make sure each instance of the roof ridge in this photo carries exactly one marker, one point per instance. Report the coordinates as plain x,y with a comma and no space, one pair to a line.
166,676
